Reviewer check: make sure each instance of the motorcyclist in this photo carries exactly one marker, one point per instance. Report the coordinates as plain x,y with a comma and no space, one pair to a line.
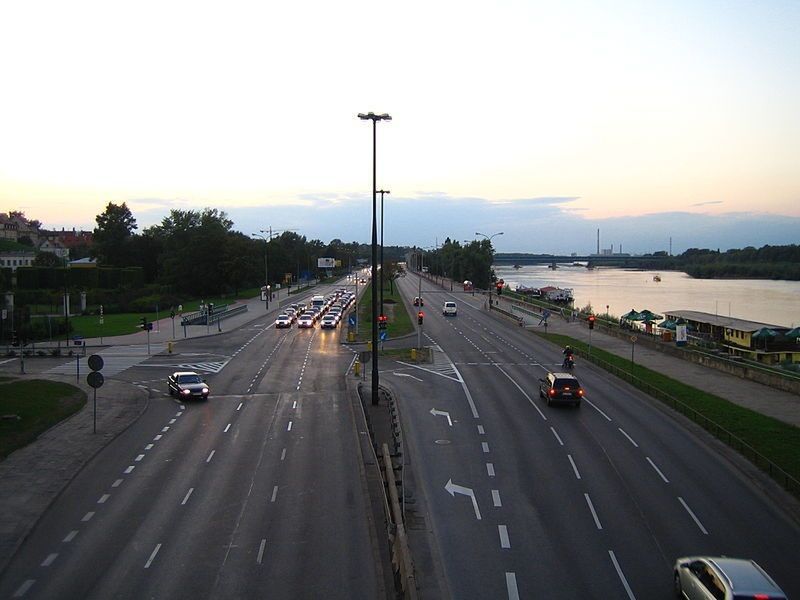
568,352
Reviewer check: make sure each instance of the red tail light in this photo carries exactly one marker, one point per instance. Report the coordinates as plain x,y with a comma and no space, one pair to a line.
580,392
552,392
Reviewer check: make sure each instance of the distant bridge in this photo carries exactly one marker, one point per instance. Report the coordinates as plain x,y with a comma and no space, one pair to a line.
593,260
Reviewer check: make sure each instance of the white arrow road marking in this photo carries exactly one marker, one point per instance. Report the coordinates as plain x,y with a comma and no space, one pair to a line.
442,413
405,375
454,489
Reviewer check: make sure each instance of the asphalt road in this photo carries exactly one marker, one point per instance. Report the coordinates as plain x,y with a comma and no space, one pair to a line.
593,502
256,492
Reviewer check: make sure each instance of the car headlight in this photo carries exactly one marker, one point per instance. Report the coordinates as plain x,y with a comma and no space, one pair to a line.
187,392
205,390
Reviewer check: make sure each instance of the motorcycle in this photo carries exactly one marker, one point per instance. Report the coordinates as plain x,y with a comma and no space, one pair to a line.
569,362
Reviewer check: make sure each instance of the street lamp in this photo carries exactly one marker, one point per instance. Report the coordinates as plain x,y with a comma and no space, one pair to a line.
374,118
489,237
268,235
382,192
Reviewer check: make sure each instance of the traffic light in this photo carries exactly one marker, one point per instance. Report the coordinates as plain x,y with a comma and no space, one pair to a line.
382,321
499,288
143,323
591,321
420,316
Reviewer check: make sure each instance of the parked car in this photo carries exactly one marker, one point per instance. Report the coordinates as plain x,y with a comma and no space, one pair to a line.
708,578
561,387
283,321
449,309
186,385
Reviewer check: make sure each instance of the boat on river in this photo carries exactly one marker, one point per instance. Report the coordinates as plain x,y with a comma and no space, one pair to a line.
656,277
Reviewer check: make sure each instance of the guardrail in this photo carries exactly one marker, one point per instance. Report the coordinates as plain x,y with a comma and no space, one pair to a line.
220,314
789,483
401,553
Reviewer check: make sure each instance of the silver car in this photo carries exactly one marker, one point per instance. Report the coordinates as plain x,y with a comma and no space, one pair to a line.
723,578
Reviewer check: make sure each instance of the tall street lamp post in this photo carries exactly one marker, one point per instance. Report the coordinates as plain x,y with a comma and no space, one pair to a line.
374,118
382,192
267,235
489,237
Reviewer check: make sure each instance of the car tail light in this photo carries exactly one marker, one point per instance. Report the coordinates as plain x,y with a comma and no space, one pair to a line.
552,391
580,391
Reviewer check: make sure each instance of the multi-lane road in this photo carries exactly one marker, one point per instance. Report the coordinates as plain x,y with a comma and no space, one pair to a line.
260,492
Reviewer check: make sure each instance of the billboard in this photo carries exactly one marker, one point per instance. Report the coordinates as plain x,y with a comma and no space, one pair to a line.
326,263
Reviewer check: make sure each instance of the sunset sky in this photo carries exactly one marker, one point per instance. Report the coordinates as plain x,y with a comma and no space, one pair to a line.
512,115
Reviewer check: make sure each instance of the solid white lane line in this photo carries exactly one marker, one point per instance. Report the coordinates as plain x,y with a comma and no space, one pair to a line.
226,429
557,436
261,551
210,456
696,520
591,508
129,469
117,483
504,542
186,497
652,464
138,458
574,467
621,576
49,560
21,590
511,586
490,469
87,517
496,498
630,439
283,453
152,556
480,430
524,393
289,428
240,406
594,406
485,447
70,536
103,498
274,493
148,447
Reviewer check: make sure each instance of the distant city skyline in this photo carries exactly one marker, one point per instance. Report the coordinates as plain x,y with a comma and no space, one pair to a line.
544,120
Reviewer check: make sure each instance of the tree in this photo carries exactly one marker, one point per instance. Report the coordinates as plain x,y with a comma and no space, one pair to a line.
113,234
47,259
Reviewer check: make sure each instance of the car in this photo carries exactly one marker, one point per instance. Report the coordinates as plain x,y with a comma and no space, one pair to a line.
561,387
449,309
283,321
418,301
187,385
709,577
329,322
305,321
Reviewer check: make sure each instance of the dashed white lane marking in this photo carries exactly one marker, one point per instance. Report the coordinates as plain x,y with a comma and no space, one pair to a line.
289,428
261,551
557,436
70,536
103,498
504,541
49,560
129,469
148,447
152,556
186,497
511,586
630,439
158,437
294,404
179,413
87,517
165,430
172,421
594,406
480,430
22,590
652,464
485,447
240,406
210,456
621,576
694,517
283,454
117,483
490,469
227,428
274,493
591,508
574,466
183,407
139,458
496,498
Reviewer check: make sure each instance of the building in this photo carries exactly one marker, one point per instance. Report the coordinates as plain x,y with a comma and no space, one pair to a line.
737,336
17,258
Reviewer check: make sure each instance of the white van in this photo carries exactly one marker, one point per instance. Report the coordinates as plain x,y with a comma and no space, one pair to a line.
449,309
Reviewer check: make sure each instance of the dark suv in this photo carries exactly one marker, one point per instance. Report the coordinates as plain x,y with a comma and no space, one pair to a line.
561,387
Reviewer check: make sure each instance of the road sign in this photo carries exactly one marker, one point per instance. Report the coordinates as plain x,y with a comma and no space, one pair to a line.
384,335
352,320
364,356
633,339
95,362
95,379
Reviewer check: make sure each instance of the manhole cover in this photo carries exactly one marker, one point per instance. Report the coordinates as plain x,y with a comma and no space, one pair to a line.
442,442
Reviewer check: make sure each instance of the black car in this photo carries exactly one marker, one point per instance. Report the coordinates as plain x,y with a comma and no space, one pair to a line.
187,384
561,387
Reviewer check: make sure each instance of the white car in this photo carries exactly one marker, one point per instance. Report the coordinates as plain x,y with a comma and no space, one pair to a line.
449,309
283,321
708,577
329,322
305,321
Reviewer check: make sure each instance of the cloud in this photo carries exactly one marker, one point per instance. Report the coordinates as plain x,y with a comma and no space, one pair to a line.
710,202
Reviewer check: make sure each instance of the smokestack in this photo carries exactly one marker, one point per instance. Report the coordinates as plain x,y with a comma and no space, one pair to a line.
598,240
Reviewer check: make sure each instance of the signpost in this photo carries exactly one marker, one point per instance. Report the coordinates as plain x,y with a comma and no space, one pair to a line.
95,380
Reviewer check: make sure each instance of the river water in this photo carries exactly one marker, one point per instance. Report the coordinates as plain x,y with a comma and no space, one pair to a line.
764,301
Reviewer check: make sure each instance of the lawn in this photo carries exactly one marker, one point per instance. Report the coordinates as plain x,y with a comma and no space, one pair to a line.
39,404
399,323
775,440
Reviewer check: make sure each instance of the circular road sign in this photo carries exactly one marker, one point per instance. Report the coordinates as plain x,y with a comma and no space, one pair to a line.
365,356
95,379
95,362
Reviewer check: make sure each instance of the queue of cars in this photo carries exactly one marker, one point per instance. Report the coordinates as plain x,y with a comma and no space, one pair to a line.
328,311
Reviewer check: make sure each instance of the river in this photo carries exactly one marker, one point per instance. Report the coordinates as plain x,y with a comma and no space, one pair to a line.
764,301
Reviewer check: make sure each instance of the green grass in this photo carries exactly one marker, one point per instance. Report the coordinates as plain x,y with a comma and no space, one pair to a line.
40,404
399,320
774,440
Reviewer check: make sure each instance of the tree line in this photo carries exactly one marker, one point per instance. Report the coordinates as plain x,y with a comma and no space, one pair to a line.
767,262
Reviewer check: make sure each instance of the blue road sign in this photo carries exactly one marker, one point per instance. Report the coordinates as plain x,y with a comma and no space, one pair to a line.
384,335
352,320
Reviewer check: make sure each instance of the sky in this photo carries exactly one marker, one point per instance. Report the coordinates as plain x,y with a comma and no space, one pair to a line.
543,120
